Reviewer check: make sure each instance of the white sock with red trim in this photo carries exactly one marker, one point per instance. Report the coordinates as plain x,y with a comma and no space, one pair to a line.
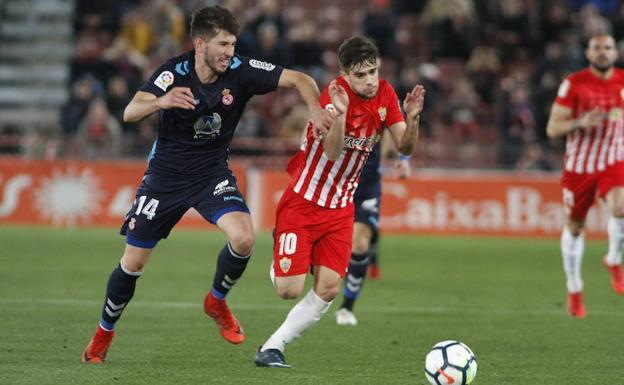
615,229
307,312
572,249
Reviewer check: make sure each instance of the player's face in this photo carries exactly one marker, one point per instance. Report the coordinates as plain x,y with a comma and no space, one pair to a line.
601,53
218,51
364,79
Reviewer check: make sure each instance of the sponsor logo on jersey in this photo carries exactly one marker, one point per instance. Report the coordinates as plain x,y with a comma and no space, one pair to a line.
223,187
208,126
362,143
285,264
382,113
261,65
164,80
227,98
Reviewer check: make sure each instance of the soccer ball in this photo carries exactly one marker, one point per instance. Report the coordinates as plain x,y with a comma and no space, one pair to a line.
450,362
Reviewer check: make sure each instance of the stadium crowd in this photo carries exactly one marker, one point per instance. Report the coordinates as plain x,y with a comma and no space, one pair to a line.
491,68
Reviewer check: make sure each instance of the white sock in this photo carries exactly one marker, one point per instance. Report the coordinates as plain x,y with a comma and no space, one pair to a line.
615,229
572,252
302,316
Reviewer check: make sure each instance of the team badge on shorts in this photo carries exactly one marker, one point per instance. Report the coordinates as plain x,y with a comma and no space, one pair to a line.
227,98
132,224
285,264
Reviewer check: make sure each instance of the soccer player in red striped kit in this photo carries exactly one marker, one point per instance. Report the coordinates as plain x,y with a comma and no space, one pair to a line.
314,219
589,110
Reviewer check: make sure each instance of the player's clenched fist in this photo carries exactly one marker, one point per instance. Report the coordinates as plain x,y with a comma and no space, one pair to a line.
178,97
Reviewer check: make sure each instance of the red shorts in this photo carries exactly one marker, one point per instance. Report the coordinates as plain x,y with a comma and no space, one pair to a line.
580,190
307,234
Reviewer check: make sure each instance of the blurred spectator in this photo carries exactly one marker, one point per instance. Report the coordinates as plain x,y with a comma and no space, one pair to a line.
518,123
484,69
117,98
533,158
454,25
306,49
99,133
270,48
76,109
556,20
379,23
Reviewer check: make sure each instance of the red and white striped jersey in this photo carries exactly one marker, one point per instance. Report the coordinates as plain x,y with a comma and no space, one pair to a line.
593,150
331,184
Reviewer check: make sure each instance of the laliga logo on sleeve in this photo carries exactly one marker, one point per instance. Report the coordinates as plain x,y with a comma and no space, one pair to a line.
227,98
164,80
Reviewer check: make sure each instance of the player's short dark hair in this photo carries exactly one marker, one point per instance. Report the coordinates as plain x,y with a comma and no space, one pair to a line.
356,51
208,21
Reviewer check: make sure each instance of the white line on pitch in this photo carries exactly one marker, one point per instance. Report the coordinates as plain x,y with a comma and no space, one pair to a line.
286,306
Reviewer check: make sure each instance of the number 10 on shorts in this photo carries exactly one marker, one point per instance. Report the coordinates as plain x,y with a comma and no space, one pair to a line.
287,243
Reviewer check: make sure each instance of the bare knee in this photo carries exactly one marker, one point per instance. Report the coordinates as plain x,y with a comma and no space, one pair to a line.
288,292
575,227
360,245
243,242
134,259
328,292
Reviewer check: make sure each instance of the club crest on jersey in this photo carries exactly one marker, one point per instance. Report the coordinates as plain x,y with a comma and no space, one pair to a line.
382,113
622,93
285,264
164,80
227,98
208,126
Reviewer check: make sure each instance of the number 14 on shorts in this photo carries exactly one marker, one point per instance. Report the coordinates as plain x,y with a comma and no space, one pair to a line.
148,209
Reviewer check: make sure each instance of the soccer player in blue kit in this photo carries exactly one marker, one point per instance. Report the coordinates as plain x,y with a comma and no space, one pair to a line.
367,199
200,97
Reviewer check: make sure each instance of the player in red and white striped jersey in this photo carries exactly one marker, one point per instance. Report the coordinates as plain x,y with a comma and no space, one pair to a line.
314,219
589,110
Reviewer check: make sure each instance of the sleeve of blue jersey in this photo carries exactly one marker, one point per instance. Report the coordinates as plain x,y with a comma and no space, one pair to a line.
159,83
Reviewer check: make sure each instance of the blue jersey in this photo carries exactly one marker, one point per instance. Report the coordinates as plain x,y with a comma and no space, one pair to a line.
196,142
370,179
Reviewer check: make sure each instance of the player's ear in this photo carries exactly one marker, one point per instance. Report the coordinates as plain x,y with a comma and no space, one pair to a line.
198,42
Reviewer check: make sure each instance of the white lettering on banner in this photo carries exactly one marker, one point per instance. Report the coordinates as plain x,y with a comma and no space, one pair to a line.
121,202
523,211
12,189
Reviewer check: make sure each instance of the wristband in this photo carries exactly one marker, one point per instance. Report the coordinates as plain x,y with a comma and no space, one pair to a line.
404,157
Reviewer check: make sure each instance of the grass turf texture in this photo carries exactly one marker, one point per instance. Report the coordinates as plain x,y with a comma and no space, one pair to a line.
505,298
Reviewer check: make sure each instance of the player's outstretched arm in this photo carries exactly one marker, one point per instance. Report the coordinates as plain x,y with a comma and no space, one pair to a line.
561,122
143,104
405,134
309,91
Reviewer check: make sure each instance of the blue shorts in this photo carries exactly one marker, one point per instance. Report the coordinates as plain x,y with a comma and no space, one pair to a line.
367,212
161,202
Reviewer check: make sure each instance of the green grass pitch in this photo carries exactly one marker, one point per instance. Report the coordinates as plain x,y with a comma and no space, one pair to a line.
505,298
